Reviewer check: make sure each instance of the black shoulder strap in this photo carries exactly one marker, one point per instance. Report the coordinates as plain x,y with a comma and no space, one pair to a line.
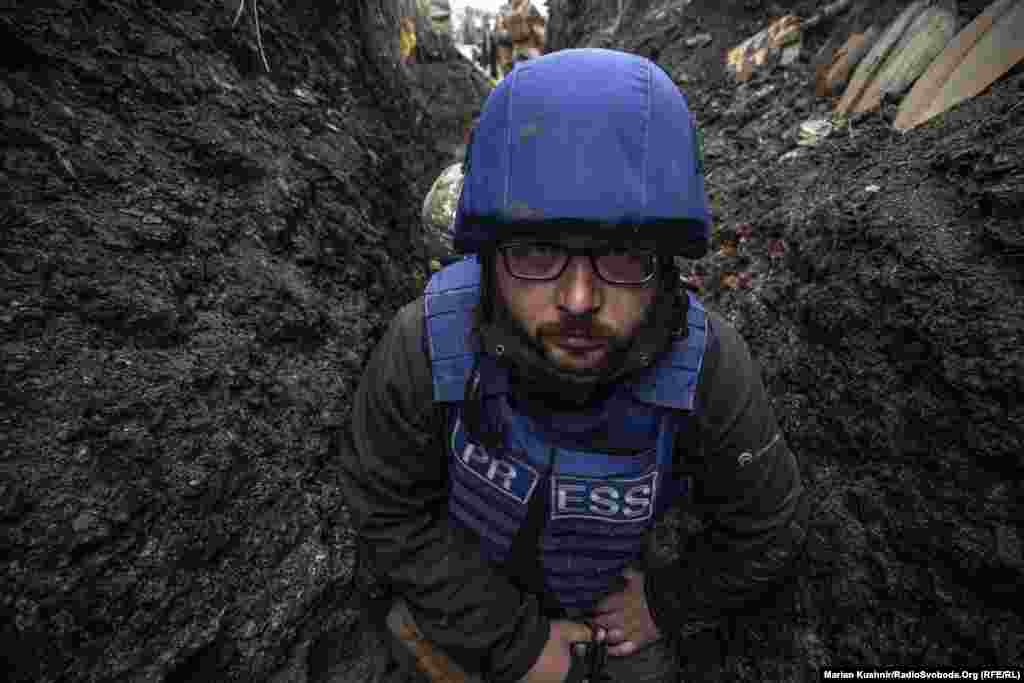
689,456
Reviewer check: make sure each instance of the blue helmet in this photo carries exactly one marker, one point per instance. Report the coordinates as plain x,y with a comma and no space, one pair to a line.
593,142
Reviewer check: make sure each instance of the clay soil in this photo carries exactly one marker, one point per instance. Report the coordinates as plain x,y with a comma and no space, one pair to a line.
197,257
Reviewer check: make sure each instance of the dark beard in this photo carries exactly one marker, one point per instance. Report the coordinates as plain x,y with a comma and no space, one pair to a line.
540,379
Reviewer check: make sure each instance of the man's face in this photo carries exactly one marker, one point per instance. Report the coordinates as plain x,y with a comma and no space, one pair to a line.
577,318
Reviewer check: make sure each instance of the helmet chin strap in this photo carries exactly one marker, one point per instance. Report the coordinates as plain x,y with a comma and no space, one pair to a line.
504,338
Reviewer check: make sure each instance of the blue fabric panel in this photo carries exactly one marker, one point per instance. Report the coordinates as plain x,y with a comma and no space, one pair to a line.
579,543
450,296
673,382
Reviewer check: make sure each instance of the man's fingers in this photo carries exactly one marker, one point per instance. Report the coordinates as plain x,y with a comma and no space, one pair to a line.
576,632
623,649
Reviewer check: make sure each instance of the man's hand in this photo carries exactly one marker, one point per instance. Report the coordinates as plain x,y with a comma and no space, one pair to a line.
626,618
555,659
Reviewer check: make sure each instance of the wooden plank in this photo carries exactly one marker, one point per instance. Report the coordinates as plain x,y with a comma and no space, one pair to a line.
836,74
438,667
930,96
876,56
920,44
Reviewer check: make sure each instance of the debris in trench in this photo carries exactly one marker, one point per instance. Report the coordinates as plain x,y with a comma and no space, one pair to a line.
976,57
813,132
835,74
924,39
782,35
902,54
729,248
407,39
440,14
438,213
780,42
520,33
920,51
869,66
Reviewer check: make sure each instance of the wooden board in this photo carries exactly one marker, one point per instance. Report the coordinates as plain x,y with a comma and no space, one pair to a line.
986,49
926,36
856,53
438,667
873,61
832,76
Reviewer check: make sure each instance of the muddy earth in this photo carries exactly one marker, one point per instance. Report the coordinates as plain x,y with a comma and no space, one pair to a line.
199,249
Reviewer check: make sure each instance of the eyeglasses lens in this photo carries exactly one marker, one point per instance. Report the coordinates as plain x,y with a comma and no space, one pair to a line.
625,266
535,261
547,261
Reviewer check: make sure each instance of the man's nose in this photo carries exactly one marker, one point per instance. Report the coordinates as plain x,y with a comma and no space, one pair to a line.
578,287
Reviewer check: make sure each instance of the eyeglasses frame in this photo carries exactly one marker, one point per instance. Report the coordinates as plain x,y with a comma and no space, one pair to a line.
592,252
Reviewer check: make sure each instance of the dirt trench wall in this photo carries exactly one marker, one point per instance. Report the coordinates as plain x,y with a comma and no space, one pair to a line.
195,257
888,333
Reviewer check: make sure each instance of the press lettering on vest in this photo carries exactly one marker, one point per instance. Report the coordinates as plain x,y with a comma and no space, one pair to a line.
506,474
638,502
606,500
603,501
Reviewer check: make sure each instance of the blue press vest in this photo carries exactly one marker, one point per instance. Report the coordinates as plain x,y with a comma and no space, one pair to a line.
602,504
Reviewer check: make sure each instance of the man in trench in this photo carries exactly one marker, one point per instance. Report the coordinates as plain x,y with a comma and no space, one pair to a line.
521,428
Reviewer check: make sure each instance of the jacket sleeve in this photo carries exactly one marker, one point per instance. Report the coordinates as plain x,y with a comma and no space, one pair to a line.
747,484
395,484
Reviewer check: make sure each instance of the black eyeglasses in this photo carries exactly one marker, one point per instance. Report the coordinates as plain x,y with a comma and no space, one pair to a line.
547,261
